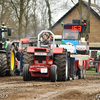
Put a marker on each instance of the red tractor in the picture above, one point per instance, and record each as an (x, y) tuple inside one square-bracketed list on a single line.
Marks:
[(45, 61)]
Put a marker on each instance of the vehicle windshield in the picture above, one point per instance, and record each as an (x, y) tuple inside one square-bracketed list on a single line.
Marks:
[(69, 34), (3, 36)]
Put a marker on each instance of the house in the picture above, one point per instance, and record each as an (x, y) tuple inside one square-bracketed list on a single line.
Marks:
[(73, 14)]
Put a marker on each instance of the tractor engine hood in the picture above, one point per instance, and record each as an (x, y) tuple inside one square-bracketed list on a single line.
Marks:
[(37, 49), (44, 50)]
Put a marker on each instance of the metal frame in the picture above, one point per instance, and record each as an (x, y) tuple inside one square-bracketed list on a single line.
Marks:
[(38, 45)]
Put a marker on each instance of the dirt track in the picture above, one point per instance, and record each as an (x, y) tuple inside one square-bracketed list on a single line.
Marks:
[(17, 89)]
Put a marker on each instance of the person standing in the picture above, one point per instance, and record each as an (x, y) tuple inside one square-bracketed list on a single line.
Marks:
[(16, 47), (18, 56)]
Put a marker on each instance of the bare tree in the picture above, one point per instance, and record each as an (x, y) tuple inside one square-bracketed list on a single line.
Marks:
[(19, 7), (94, 1), (49, 13), (80, 14), (27, 16), (88, 17), (79, 9), (34, 21)]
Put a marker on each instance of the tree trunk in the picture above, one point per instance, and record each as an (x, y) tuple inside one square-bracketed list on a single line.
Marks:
[(80, 10), (35, 19), (20, 18), (94, 1), (26, 25), (49, 13), (88, 17), (2, 10)]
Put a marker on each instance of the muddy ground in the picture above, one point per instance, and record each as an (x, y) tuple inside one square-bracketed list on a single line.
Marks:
[(14, 88)]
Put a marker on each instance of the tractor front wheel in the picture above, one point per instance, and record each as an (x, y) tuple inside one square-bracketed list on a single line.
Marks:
[(26, 74), (53, 73)]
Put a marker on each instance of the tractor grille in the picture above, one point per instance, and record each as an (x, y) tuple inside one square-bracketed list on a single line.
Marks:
[(40, 58), (40, 50)]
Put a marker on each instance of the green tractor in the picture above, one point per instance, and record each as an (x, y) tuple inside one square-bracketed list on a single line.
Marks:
[(7, 52)]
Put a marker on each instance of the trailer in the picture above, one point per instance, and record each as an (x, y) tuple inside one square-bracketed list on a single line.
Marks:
[(77, 47)]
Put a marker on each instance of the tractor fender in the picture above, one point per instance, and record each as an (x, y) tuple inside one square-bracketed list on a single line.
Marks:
[(58, 50), (9, 47)]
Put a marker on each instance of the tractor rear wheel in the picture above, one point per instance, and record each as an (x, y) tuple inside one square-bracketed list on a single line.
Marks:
[(53, 73), (28, 58), (11, 61), (61, 60), (26, 74), (3, 64)]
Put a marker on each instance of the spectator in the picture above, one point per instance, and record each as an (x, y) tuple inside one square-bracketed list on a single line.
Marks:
[(18, 55), (16, 47)]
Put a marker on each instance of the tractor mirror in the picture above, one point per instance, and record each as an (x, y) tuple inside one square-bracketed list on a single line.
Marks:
[(87, 37), (9, 31)]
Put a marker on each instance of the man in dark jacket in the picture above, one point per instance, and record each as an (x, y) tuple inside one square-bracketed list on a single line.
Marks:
[(18, 56), (46, 41), (16, 47)]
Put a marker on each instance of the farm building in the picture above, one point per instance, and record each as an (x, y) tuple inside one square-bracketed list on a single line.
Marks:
[(73, 16)]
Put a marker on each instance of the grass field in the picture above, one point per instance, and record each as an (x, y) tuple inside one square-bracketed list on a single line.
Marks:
[(92, 70)]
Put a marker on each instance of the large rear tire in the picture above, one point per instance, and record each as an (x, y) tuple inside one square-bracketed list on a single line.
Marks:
[(3, 64), (26, 74), (28, 58), (11, 61), (53, 73), (61, 60)]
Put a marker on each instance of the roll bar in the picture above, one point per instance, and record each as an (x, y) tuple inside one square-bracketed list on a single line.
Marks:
[(42, 33)]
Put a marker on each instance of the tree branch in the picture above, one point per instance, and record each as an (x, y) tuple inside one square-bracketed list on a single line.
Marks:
[(15, 8), (75, 5)]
